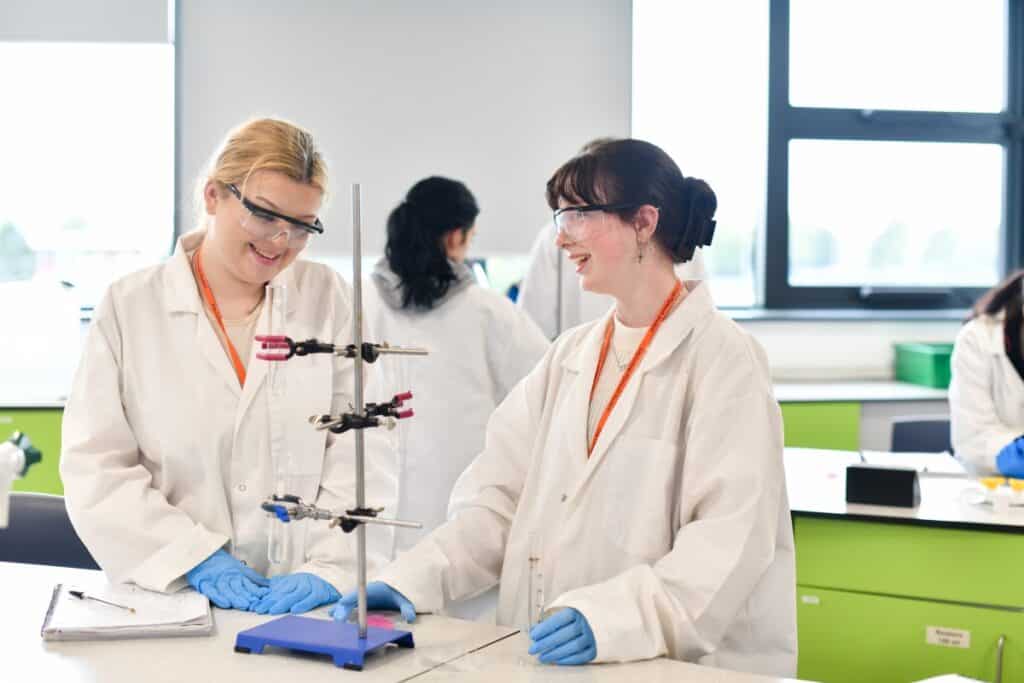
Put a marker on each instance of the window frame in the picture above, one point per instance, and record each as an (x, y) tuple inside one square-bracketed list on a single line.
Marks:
[(786, 123)]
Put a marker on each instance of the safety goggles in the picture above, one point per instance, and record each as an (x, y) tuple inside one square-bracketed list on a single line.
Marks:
[(579, 223), (264, 224)]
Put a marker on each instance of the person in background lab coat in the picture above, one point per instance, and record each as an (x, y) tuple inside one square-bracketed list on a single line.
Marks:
[(635, 477), (550, 291), (424, 294), (166, 451), (986, 392)]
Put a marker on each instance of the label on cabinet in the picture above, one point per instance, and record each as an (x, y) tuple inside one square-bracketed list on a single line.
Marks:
[(947, 637), (810, 599)]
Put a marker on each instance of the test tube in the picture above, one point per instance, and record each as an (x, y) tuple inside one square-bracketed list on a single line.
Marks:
[(535, 583), (277, 303), (277, 531)]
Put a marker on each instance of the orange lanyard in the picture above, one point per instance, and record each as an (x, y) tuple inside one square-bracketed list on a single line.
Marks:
[(204, 288), (638, 356)]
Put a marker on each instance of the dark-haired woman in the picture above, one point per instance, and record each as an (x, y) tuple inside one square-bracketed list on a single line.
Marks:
[(481, 346), (986, 395), (633, 483)]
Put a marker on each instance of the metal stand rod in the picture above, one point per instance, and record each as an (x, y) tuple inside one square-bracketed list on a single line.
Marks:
[(360, 407), (401, 351)]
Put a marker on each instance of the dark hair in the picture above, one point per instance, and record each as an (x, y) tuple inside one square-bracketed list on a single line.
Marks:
[(634, 173), (595, 143), (1006, 296), (416, 228)]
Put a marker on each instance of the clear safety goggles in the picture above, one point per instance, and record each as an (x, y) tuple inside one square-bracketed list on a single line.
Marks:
[(264, 224), (580, 223)]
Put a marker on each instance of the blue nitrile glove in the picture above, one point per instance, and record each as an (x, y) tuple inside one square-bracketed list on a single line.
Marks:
[(379, 596), (563, 638), (1010, 460), (227, 582), (296, 593)]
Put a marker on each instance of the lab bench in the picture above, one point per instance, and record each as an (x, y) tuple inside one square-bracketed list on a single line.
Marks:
[(446, 649), (851, 415), (900, 594)]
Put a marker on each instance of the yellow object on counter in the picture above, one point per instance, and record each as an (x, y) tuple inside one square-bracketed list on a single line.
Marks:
[(992, 483), (1017, 485)]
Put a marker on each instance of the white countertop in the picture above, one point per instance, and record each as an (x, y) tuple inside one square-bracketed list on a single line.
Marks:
[(816, 483), (445, 649), (859, 392), (506, 661), (31, 403), (25, 655)]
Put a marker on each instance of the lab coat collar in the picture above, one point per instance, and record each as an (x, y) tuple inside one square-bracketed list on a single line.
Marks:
[(182, 292), (183, 297), (994, 343), (695, 308)]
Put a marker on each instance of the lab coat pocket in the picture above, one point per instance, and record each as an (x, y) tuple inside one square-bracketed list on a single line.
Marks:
[(640, 496)]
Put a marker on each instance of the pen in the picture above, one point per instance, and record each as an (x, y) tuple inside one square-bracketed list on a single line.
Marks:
[(82, 596)]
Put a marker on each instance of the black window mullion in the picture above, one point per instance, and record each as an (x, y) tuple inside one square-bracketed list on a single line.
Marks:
[(776, 237), (1013, 238), (910, 126)]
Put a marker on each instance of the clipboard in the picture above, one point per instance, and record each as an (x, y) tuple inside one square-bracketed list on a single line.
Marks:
[(157, 615)]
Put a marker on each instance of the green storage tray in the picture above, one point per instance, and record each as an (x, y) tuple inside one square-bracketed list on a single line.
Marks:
[(926, 364)]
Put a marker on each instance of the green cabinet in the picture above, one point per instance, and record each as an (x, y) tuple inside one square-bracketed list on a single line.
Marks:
[(912, 560), (42, 426), (856, 637), (901, 601), (822, 425)]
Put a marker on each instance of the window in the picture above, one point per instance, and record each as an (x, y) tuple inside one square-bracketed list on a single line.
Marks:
[(894, 214), (890, 170), (86, 192), (87, 171), (700, 92)]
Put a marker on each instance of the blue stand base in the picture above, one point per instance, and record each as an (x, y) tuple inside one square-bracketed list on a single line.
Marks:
[(338, 639)]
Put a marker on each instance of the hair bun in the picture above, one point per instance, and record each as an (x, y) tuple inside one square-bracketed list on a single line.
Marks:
[(699, 204)]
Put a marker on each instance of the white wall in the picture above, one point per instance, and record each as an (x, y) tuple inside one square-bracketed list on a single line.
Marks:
[(98, 21), (829, 349), (494, 94)]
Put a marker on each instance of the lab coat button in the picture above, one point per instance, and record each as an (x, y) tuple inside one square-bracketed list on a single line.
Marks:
[(241, 487), (565, 497)]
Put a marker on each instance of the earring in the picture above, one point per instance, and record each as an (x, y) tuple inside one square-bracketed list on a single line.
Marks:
[(639, 250)]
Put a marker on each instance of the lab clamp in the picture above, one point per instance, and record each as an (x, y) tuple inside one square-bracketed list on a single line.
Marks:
[(17, 454), (347, 643)]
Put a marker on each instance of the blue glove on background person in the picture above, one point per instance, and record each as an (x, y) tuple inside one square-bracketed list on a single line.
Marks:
[(379, 596), (563, 638), (1010, 460), (227, 582), (296, 593)]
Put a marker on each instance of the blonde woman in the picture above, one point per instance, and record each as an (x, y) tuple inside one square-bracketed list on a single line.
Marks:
[(166, 454)]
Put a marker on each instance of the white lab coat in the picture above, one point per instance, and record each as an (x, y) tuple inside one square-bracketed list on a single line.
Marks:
[(674, 538), (480, 346), (986, 395), (538, 292), (165, 458)]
